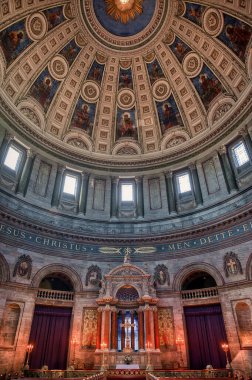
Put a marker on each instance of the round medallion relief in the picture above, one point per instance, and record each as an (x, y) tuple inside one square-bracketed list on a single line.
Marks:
[(161, 89), (213, 21), (192, 64), (36, 26), (90, 91), (126, 99), (58, 67)]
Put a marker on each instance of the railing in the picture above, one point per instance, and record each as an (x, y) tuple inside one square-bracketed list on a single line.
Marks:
[(57, 295), (150, 376), (199, 293), (97, 376)]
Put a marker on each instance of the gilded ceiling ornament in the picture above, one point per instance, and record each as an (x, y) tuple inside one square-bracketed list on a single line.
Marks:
[(124, 10)]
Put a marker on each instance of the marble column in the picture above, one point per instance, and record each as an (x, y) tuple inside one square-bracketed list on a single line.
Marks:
[(107, 324), (57, 187), (123, 331), (152, 328), (148, 340), (170, 192), (196, 185), (83, 193), (26, 173), (114, 327), (132, 331), (114, 197), (5, 143), (227, 170), (156, 329), (139, 197), (140, 329), (99, 326)]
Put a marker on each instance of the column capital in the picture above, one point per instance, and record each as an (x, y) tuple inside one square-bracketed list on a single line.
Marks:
[(222, 149), (115, 180), (30, 153), (192, 166), (169, 174), (139, 179), (243, 131)]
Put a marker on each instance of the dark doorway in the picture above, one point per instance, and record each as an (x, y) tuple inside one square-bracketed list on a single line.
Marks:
[(50, 336), (205, 333)]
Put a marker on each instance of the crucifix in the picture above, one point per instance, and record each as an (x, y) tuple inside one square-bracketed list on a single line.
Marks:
[(126, 326), (232, 265)]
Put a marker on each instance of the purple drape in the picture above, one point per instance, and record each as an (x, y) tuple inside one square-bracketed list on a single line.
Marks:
[(205, 333), (50, 336)]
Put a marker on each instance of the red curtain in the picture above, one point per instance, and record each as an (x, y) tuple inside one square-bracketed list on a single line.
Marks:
[(205, 333), (50, 337)]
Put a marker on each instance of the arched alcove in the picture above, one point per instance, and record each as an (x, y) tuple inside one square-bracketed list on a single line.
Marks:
[(198, 280), (62, 271), (244, 321), (57, 281), (9, 325)]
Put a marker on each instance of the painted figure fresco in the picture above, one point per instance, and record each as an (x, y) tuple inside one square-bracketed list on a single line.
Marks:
[(13, 41), (125, 79), (126, 124), (83, 116), (179, 48), (236, 35), (194, 13), (54, 16), (168, 114), (96, 72), (154, 70), (44, 89), (70, 51), (207, 86)]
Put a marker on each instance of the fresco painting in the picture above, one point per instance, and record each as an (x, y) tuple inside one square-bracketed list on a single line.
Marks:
[(236, 35), (84, 116), (207, 86), (96, 72), (168, 114), (14, 40), (70, 52), (132, 26), (180, 49), (125, 79), (194, 13), (54, 16), (154, 70), (44, 89), (126, 124)]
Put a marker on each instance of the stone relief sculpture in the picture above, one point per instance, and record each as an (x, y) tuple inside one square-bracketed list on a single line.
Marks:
[(23, 267), (93, 276), (232, 265), (161, 275)]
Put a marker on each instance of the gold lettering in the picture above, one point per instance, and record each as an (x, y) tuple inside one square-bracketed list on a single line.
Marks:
[(54, 243), (77, 247), (46, 241), (230, 233), (2, 227), (203, 241), (187, 245), (38, 239), (171, 247), (64, 245), (9, 230), (179, 246), (23, 234), (209, 238), (245, 227)]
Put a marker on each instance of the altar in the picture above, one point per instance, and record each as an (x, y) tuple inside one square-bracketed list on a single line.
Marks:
[(127, 366)]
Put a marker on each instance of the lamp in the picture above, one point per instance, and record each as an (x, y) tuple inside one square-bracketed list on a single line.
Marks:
[(103, 347), (149, 367), (225, 348), (29, 349), (179, 343)]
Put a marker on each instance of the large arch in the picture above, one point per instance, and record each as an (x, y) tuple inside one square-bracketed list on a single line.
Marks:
[(195, 267), (249, 268), (4, 269), (45, 271)]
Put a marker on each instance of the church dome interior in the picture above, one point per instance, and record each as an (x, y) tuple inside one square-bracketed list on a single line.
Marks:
[(126, 183)]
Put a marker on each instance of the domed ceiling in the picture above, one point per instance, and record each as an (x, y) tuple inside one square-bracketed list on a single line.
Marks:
[(125, 81)]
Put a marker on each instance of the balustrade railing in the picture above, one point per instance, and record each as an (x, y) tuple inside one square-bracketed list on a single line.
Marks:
[(199, 293), (57, 295), (97, 376)]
